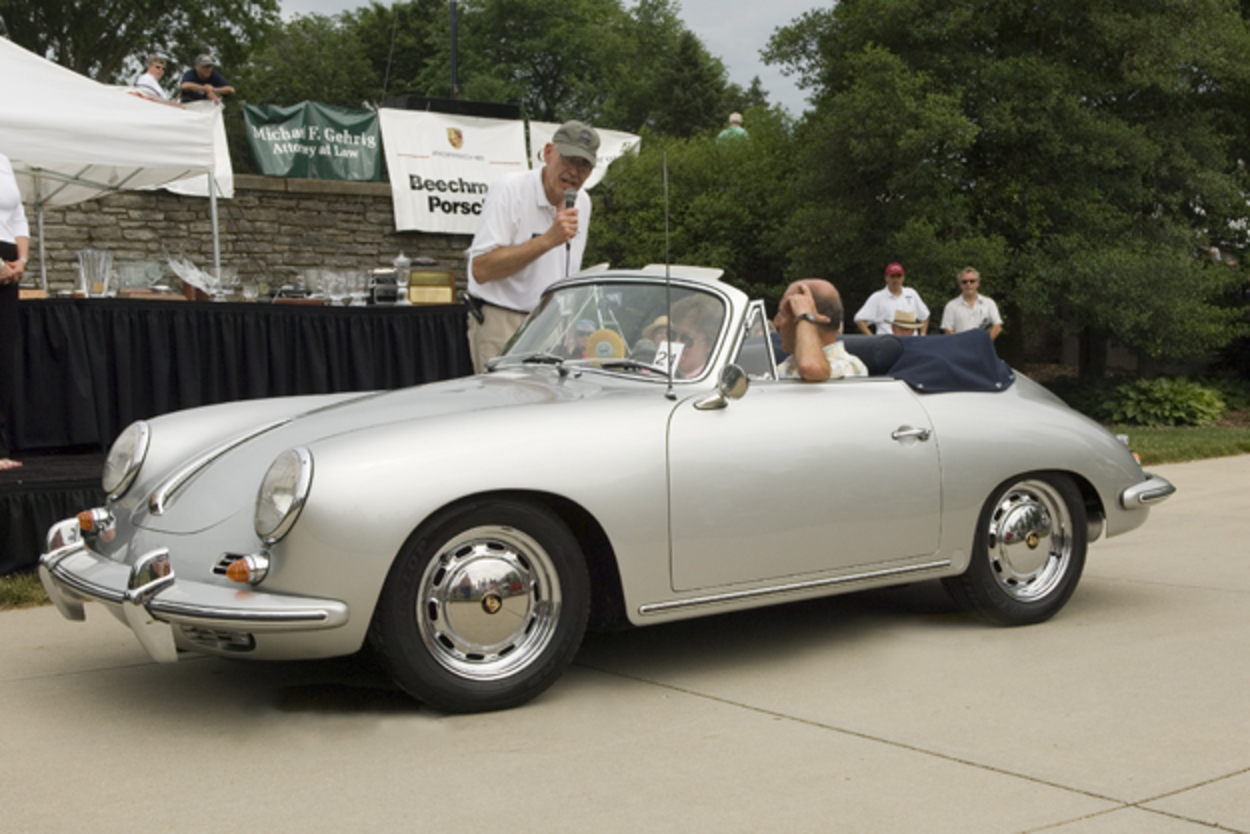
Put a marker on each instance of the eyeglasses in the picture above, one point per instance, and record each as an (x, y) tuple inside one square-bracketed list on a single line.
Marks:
[(581, 166), (969, 281)]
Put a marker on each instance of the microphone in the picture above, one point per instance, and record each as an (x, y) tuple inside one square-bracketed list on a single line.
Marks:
[(570, 200)]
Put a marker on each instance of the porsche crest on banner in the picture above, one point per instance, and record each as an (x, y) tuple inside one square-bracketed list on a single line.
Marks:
[(441, 166)]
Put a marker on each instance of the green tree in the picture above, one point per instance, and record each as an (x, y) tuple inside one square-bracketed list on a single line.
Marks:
[(280, 72), (588, 59), (1079, 152), (553, 59), (397, 40), (108, 39), (726, 204), (691, 94)]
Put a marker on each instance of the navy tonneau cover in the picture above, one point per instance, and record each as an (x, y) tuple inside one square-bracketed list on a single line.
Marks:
[(960, 362)]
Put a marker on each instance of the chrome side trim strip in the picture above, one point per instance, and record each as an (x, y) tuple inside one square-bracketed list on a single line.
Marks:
[(788, 588)]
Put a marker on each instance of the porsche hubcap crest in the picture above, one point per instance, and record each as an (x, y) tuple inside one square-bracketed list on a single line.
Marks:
[(488, 604)]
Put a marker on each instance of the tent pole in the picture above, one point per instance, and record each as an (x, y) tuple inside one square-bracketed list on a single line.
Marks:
[(43, 253), (212, 199)]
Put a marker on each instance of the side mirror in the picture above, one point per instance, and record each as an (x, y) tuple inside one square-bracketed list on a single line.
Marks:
[(733, 383)]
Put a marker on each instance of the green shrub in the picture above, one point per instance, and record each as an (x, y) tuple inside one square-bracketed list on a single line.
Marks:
[(1087, 396), (1164, 402), (1235, 391)]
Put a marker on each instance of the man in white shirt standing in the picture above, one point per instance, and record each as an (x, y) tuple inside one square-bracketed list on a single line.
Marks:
[(527, 238), (971, 310), (880, 308)]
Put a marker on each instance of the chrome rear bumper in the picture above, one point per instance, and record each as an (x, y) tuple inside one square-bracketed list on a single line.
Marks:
[(152, 601)]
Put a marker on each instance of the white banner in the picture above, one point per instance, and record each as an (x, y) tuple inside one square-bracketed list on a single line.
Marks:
[(441, 165), (613, 144)]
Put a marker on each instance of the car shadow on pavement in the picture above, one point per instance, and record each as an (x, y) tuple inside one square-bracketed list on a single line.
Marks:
[(768, 634)]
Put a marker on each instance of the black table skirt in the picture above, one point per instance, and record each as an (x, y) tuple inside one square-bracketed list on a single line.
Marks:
[(89, 367)]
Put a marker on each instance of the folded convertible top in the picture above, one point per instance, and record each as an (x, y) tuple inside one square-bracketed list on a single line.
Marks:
[(960, 362)]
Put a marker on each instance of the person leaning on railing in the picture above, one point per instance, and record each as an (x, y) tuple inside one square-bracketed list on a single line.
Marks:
[(204, 82)]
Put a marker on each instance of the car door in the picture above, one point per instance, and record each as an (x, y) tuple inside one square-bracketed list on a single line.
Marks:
[(800, 478)]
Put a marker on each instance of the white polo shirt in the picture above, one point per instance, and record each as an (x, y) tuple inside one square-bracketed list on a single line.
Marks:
[(958, 316), (12, 216), (879, 309), (516, 210)]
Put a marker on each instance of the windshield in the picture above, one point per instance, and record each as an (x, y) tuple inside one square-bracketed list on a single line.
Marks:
[(623, 326)]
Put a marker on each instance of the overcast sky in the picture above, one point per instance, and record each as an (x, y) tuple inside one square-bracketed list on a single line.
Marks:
[(733, 30)]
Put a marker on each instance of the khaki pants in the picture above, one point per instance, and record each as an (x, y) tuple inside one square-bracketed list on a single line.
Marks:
[(486, 339)]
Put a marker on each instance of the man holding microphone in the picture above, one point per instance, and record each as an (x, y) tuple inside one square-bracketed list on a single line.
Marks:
[(532, 233)]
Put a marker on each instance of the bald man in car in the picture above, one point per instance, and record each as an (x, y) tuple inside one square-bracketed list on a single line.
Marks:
[(809, 319)]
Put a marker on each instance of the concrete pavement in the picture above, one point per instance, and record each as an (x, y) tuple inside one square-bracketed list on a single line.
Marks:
[(876, 712)]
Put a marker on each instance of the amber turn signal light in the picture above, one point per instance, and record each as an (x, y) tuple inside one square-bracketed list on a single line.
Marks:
[(248, 570)]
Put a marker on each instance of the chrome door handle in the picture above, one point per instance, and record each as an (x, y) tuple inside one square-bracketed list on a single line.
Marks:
[(901, 433)]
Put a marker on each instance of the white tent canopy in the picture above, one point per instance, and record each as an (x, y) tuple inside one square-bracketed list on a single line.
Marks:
[(71, 139)]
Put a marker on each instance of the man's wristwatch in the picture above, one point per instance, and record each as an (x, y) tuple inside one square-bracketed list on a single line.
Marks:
[(806, 317)]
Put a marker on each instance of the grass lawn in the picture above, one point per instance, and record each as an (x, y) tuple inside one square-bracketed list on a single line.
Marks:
[(1154, 445), (21, 590), (1177, 444)]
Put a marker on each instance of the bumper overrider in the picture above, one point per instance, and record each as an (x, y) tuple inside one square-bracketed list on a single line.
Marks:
[(1150, 491), (153, 602)]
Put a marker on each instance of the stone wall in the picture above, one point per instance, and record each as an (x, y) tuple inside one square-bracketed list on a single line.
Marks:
[(271, 230)]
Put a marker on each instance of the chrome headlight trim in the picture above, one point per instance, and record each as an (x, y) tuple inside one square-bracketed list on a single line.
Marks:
[(125, 459), (282, 494)]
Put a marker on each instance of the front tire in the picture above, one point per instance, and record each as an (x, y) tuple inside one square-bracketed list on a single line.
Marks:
[(1028, 551), (484, 608)]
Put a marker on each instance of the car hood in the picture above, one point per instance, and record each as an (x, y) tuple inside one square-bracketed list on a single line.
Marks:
[(227, 484)]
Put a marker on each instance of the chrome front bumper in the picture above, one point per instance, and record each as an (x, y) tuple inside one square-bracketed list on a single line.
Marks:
[(149, 598), (1150, 491)]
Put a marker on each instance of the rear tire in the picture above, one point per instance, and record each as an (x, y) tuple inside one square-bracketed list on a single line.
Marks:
[(1028, 551), (484, 608)]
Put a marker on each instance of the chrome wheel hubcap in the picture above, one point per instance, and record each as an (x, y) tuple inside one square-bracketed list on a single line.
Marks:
[(1030, 540), (489, 603)]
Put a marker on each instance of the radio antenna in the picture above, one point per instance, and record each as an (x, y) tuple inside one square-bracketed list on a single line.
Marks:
[(668, 288)]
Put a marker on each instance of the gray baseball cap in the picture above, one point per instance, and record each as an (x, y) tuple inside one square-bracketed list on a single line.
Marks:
[(576, 139), (205, 60)]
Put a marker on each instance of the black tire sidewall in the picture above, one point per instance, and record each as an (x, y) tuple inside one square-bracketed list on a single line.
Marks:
[(397, 640), (978, 591)]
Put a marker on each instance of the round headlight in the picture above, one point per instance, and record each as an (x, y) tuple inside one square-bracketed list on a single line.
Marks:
[(125, 458), (282, 494)]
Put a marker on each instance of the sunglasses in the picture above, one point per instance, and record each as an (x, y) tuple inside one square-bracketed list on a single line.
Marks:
[(969, 281), (688, 339)]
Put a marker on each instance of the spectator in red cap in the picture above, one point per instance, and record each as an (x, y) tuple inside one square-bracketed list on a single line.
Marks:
[(881, 309)]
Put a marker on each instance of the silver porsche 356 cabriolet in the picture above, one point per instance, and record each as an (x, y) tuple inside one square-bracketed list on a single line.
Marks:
[(631, 458)]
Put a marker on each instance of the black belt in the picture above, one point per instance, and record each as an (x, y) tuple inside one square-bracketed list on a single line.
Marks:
[(476, 304)]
